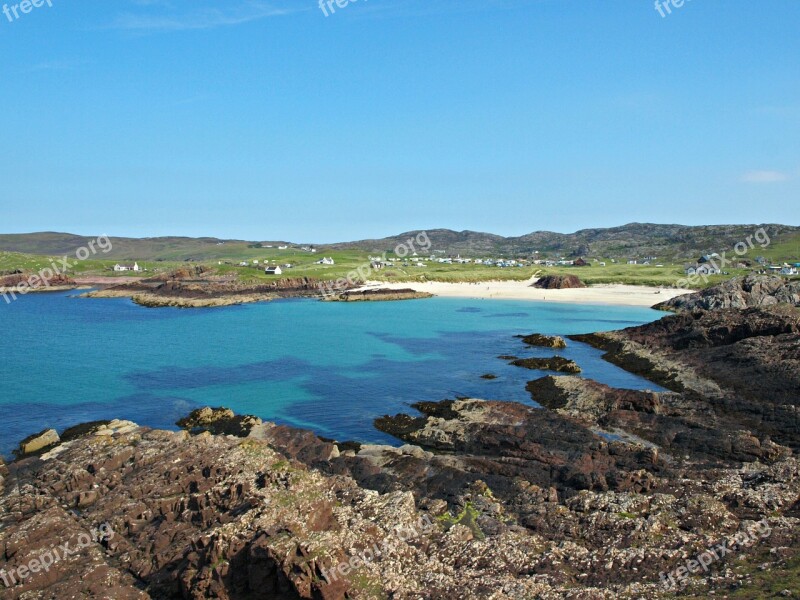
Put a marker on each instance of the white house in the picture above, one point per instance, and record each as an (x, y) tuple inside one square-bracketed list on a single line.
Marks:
[(326, 261), (135, 267), (273, 271), (704, 269), (708, 269), (787, 270)]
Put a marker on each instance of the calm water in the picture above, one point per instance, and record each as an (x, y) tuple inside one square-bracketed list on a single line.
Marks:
[(329, 367)]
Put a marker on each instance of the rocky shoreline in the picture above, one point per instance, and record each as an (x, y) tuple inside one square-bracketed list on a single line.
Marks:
[(377, 295), (195, 288), (602, 493)]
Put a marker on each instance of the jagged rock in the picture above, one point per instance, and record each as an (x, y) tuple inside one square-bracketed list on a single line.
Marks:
[(742, 365), (219, 421), (198, 290), (559, 282), (739, 292), (669, 420), (37, 442), (559, 364), (546, 341), (379, 295)]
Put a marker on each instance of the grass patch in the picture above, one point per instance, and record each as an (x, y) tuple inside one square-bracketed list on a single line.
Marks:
[(467, 517)]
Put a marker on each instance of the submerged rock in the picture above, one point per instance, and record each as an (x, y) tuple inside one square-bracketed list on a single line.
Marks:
[(545, 341), (380, 295), (558, 364)]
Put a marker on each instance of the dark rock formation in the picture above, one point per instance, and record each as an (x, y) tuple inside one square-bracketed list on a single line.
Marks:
[(193, 288), (23, 277), (559, 364), (559, 282), (679, 426), (219, 421), (739, 292), (506, 498), (379, 295), (544, 341), (741, 365)]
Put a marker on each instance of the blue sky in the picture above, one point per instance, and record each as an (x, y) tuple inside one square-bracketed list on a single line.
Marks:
[(269, 120)]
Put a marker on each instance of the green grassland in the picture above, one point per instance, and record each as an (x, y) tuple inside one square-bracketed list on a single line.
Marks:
[(226, 260)]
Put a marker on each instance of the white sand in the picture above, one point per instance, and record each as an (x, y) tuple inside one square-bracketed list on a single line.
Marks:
[(623, 295)]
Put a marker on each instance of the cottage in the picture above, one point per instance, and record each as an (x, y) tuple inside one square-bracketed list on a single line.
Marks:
[(703, 270), (273, 271), (326, 261), (135, 267)]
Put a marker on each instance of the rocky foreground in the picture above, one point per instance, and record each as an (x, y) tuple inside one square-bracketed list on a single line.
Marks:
[(603, 493)]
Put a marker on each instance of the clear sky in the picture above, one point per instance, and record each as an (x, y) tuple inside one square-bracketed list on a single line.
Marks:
[(269, 120)]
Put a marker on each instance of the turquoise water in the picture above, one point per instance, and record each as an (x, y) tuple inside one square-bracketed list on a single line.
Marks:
[(329, 367)]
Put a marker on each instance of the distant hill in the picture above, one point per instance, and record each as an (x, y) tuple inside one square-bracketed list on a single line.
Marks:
[(632, 241), (160, 248)]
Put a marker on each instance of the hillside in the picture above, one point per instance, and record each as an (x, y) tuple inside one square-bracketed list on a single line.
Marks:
[(635, 240)]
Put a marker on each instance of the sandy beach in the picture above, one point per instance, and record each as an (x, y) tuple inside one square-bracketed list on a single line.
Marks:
[(623, 295)]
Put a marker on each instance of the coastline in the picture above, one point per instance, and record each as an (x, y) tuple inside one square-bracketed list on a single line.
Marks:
[(609, 294)]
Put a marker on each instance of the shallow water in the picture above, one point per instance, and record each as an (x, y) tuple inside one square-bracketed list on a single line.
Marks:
[(329, 367)]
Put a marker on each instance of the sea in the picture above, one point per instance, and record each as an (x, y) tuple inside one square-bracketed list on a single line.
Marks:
[(329, 367)]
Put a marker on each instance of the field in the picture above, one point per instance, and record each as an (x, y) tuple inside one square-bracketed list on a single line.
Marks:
[(347, 261)]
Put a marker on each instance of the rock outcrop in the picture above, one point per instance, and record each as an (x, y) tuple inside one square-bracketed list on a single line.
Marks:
[(26, 278), (559, 282), (377, 295), (739, 365), (497, 500), (194, 288), (37, 442), (559, 364), (219, 421), (544, 341), (739, 292)]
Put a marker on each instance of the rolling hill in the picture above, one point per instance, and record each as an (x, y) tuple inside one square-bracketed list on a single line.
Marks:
[(635, 240)]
